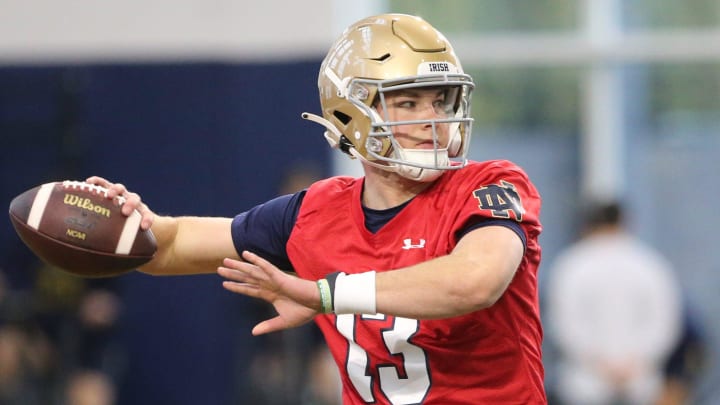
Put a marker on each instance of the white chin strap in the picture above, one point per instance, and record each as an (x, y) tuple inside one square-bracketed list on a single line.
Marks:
[(455, 142), (422, 157)]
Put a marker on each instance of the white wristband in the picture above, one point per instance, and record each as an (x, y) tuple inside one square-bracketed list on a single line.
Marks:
[(355, 293)]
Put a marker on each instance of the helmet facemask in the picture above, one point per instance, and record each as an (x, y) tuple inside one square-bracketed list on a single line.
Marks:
[(451, 116)]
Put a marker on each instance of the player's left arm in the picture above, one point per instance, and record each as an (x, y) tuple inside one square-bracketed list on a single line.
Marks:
[(472, 277), (481, 266)]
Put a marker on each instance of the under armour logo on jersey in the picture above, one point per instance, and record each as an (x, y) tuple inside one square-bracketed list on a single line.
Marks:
[(408, 244)]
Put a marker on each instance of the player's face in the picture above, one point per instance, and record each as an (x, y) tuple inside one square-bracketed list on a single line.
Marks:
[(418, 104)]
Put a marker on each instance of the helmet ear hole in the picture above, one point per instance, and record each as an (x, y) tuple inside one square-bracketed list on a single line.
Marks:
[(342, 117)]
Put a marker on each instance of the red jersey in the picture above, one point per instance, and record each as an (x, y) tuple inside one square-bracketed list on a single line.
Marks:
[(491, 356)]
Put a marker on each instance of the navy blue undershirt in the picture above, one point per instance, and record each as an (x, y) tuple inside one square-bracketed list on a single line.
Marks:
[(265, 228)]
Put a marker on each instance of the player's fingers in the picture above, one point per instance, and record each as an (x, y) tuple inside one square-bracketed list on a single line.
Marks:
[(148, 217), (246, 289), (247, 275), (119, 193), (268, 268), (98, 181), (271, 325), (250, 270), (242, 288), (250, 290), (113, 189), (131, 203), (134, 201), (234, 275), (116, 189)]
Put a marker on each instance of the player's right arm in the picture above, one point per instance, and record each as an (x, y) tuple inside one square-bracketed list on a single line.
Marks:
[(190, 245), (186, 245)]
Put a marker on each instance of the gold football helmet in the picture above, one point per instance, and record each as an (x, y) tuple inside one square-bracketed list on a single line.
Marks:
[(387, 53)]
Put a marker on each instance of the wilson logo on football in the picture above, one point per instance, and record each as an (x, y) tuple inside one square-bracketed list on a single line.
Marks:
[(86, 204)]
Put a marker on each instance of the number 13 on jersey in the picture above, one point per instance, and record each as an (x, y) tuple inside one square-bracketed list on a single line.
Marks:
[(407, 383)]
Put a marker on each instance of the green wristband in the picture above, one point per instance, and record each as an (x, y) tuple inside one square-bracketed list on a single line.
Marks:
[(325, 296)]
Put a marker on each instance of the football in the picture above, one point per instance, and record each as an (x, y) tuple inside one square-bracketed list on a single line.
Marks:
[(74, 226)]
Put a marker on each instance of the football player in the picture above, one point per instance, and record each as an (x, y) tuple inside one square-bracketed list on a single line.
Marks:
[(422, 275)]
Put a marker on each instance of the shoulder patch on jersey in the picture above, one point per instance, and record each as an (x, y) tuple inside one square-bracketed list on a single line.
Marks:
[(500, 199)]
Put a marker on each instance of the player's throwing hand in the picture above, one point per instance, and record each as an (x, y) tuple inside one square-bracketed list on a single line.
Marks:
[(296, 300)]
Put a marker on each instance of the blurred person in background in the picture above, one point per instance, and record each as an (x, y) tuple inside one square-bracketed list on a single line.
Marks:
[(92, 340), (29, 357), (323, 385), (614, 311), (16, 383), (89, 387)]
